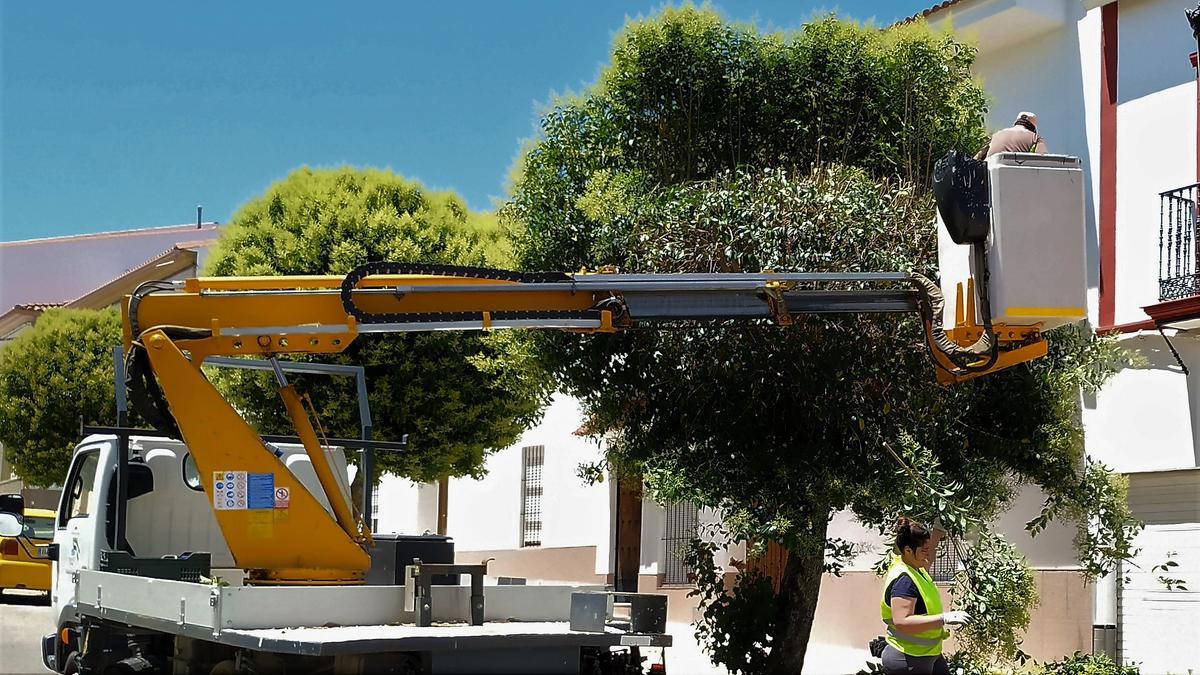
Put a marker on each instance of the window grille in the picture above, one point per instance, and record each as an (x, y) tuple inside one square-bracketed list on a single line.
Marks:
[(682, 525), (947, 562), (533, 457), (1178, 248), (375, 508)]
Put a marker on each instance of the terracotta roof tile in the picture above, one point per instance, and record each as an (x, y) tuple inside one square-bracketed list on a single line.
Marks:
[(38, 306), (59, 269), (932, 10)]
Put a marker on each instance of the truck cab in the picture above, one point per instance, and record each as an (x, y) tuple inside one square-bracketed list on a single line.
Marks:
[(168, 515)]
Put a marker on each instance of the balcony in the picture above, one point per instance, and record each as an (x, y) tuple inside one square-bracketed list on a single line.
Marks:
[(1178, 255), (1178, 260)]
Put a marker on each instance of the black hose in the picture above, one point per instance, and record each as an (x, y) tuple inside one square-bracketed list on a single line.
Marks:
[(145, 396), (931, 307)]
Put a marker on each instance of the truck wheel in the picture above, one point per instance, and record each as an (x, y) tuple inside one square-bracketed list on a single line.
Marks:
[(71, 664)]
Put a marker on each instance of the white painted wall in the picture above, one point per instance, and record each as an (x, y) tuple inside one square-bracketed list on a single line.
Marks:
[(485, 514), (399, 504), (654, 521), (1146, 419), (1156, 152), (1052, 549)]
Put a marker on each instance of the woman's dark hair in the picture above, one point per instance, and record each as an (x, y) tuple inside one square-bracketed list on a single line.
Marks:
[(909, 534)]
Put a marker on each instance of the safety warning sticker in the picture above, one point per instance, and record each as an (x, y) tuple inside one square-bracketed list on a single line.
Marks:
[(261, 490), (283, 497), (229, 490)]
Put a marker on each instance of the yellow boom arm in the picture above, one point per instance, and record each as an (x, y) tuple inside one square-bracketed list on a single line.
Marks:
[(275, 528)]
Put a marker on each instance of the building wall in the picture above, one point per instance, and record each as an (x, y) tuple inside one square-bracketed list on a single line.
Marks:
[(1146, 418), (848, 613), (484, 515), (1156, 139)]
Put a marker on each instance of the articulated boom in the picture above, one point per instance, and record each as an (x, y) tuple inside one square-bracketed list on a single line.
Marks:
[(169, 329)]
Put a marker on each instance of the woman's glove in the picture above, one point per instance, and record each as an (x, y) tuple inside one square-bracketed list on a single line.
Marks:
[(955, 618)]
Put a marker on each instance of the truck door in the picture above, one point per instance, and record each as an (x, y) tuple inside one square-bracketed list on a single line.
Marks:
[(79, 526)]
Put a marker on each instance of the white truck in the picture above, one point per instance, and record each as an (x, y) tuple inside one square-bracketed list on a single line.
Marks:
[(114, 619)]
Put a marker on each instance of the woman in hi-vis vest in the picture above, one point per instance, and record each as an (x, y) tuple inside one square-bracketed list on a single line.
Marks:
[(912, 608)]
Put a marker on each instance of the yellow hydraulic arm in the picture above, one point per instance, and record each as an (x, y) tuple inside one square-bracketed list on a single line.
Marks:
[(275, 528)]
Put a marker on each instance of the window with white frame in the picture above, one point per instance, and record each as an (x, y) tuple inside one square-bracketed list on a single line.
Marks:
[(947, 562), (375, 508), (533, 457), (681, 527)]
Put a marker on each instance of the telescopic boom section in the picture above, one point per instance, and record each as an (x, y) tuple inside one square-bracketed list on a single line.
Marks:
[(292, 538)]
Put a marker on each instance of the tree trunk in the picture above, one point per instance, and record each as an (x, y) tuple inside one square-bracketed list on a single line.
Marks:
[(356, 493), (798, 591), (443, 505)]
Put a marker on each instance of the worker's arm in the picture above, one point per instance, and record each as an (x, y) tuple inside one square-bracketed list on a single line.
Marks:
[(1040, 147), (906, 621), (982, 154)]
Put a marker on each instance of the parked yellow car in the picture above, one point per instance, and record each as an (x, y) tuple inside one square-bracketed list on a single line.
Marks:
[(18, 567)]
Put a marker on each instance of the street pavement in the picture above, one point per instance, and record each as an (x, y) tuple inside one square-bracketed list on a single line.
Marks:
[(24, 619)]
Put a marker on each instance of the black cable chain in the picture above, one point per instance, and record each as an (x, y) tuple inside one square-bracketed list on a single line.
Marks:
[(355, 277)]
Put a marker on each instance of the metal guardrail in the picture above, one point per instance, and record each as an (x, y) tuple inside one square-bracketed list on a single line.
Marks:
[(1178, 252)]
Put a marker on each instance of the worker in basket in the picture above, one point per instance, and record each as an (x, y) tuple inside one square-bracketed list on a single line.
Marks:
[(1022, 136), (911, 606)]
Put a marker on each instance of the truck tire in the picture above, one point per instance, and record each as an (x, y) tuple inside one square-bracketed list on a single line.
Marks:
[(70, 664)]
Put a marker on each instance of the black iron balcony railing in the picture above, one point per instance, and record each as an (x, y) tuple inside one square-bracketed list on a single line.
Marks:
[(1178, 253)]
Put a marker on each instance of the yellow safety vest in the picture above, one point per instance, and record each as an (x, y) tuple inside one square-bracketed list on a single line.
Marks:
[(927, 642)]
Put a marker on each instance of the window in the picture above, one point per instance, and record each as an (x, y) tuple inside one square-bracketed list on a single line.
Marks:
[(375, 508), (82, 496), (191, 475), (37, 527), (533, 457), (947, 562), (682, 525)]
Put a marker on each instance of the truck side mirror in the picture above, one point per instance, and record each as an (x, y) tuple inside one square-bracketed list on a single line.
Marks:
[(11, 525), (12, 503), (46, 552)]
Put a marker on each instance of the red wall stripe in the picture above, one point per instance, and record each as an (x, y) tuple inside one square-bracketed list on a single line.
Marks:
[(1193, 58), (1108, 163)]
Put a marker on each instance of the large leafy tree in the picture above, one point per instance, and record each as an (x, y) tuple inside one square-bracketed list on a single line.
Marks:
[(51, 376), (457, 395), (711, 147)]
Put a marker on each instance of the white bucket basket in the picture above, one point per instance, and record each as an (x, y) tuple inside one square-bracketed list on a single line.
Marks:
[(1036, 249)]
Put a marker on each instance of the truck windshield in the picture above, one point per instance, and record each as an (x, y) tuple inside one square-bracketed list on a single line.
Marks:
[(37, 527)]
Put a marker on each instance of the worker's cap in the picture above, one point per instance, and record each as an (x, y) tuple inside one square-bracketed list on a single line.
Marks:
[(1028, 116)]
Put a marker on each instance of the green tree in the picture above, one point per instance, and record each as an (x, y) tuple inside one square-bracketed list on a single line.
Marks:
[(710, 147), (457, 395), (51, 375)]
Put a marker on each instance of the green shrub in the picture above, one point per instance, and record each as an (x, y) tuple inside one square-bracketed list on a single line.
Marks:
[(1087, 664)]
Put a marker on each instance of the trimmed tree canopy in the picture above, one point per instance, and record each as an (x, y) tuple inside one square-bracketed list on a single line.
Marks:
[(51, 375), (458, 395)]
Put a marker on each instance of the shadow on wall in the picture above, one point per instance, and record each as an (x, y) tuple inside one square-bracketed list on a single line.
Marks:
[(1142, 71), (1046, 75), (1158, 356)]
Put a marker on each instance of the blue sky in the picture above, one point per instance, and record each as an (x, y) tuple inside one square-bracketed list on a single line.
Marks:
[(122, 115)]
